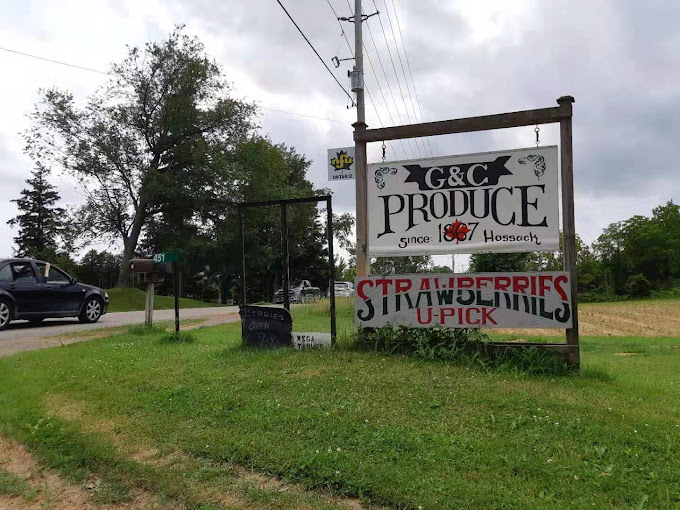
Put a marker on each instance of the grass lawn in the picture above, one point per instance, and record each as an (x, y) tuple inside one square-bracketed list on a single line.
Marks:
[(131, 300), (192, 422)]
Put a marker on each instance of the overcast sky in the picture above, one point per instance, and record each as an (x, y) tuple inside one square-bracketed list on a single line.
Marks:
[(620, 59)]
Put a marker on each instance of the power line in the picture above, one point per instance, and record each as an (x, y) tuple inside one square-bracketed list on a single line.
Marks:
[(396, 75), (408, 65), (370, 63), (108, 74), (387, 107), (303, 115), (351, 52), (401, 63), (389, 87), (54, 61), (316, 52)]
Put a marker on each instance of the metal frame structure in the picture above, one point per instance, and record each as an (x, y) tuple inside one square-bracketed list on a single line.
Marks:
[(284, 244), (562, 113)]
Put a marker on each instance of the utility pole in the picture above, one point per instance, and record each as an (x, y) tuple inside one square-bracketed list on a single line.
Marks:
[(361, 181)]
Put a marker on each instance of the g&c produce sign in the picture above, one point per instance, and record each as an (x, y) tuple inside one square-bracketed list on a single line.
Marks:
[(496, 201), (489, 300)]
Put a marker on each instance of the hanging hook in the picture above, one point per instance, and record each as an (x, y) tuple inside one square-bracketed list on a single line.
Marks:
[(537, 131), (383, 149)]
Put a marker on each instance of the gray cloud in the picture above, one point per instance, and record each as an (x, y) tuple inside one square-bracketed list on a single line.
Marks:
[(618, 58)]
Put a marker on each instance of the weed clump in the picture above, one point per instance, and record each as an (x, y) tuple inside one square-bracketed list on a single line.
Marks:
[(464, 346), (144, 330), (182, 337)]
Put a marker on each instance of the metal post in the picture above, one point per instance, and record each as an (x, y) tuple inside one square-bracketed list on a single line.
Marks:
[(148, 308), (175, 269), (284, 244), (242, 240), (331, 268), (568, 226), (361, 183), (241, 235)]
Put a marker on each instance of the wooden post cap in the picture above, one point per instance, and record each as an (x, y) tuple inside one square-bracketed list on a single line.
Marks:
[(566, 100)]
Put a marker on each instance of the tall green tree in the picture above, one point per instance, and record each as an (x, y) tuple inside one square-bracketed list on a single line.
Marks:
[(402, 265), (641, 245), (39, 220), (98, 268), (159, 133), (493, 262)]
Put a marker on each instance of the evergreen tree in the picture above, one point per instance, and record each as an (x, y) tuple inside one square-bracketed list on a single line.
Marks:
[(39, 221)]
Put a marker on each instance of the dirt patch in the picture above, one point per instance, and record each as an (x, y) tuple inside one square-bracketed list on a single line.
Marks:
[(233, 496), (214, 320), (52, 491), (646, 319), (626, 353)]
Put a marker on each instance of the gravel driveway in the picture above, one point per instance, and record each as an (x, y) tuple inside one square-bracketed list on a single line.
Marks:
[(24, 336)]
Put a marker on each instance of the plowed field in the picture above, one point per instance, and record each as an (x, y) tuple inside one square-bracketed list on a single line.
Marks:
[(650, 318)]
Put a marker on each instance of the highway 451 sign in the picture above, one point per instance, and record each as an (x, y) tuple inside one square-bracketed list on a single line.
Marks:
[(491, 202), (166, 256)]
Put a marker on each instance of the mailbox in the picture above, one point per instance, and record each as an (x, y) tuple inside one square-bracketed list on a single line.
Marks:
[(149, 266)]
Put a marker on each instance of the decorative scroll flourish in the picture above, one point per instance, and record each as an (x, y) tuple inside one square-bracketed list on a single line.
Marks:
[(380, 174), (538, 161)]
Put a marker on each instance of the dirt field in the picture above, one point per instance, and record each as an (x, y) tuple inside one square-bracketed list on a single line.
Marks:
[(658, 318)]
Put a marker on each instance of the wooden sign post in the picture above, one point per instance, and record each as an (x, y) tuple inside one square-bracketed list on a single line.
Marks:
[(561, 113)]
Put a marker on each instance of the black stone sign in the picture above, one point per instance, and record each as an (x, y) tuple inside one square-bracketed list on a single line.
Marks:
[(267, 327)]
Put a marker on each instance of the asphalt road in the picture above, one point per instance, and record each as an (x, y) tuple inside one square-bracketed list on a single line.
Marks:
[(24, 336)]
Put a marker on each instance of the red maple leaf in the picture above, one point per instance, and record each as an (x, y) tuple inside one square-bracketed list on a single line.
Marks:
[(457, 230)]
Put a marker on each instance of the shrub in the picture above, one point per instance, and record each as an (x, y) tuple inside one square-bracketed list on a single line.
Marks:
[(464, 346), (429, 343), (638, 285)]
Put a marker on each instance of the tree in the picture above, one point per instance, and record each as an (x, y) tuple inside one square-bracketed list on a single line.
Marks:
[(401, 265), (493, 262), (39, 221), (99, 268), (159, 134)]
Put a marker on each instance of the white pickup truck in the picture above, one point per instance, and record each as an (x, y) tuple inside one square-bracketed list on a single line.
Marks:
[(299, 291)]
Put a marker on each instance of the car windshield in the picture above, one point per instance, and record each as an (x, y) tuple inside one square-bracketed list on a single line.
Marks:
[(341, 284)]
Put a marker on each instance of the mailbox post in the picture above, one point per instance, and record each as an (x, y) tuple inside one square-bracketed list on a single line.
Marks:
[(155, 270)]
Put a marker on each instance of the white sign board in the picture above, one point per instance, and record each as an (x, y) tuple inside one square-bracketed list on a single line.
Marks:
[(312, 340), (487, 300), (491, 202), (341, 164)]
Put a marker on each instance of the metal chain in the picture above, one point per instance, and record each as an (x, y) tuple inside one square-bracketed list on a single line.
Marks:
[(537, 130), (383, 149)]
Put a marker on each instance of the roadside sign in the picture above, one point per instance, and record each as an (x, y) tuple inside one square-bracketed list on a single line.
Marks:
[(266, 326), (312, 340), (341, 164), (503, 201), (470, 300)]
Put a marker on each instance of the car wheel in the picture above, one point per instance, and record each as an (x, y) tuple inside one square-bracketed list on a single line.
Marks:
[(92, 310), (5, 313)]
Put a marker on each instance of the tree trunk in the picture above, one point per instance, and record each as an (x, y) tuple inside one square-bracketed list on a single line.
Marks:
[(131, 245)]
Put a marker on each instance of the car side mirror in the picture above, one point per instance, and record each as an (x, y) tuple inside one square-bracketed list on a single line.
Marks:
[(72, 281)]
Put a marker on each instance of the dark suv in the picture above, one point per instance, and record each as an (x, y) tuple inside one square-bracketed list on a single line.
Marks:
[(35, 290)]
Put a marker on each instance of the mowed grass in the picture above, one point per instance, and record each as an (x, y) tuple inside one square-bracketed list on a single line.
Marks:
[(394, 431), (131, 300)]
